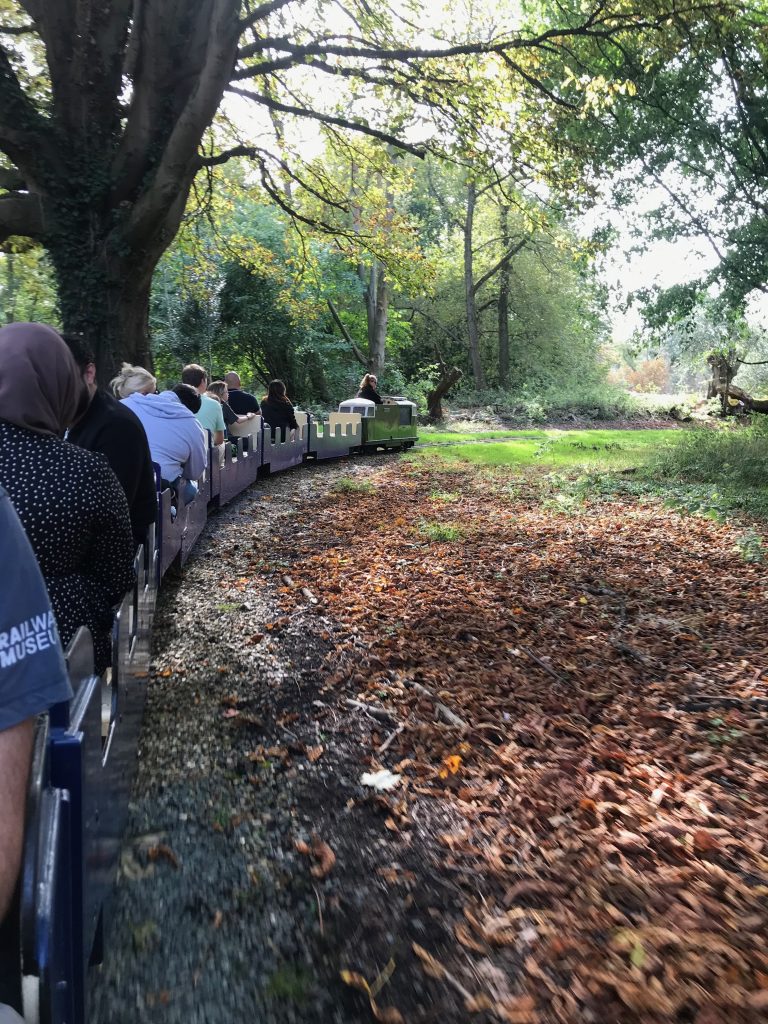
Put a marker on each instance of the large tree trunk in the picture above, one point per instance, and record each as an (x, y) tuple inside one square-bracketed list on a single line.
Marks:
[(473, 328), (503, 303), (724, 368), (750, 404), (448, 377), (104, 167), (377, 327)]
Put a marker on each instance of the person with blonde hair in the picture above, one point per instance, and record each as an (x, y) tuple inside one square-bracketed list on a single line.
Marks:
[(368, 389), (133, 380)]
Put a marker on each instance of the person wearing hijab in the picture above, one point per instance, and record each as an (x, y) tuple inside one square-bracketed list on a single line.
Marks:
[(277, 409), (368, 389), (69, 501)]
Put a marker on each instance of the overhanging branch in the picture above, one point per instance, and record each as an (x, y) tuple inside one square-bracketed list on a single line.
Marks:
[(20, 214), (499, 264), (11, 179), (262, 11), (339, 122)]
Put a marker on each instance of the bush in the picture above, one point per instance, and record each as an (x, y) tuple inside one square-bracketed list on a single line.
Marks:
[(599, 401), (729, 455)]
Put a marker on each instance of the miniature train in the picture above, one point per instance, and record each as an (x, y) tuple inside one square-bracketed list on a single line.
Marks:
[(85, 751)]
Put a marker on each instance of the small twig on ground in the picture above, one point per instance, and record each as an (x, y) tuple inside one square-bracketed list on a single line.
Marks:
[(705, 701), (379, 713), (386, 744), (319, 911), (632, 652), (441, 709), (547, 668)]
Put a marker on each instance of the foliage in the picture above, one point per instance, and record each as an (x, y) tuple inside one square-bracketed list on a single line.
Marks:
[(537, 405), (731, 456), (649, 375), (547, 449), (692, 133), (438, 532), (27, 288), (348, 485)]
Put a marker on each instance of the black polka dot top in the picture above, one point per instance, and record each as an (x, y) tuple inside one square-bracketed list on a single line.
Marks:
[(76, 517)]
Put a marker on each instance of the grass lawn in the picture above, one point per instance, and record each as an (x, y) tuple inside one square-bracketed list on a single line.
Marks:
[(590, 449)]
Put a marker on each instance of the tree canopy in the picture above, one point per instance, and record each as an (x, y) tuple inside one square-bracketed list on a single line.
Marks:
[(106, 111)]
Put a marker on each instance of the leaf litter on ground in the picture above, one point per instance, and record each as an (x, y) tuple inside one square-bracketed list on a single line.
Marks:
[(610, 847)]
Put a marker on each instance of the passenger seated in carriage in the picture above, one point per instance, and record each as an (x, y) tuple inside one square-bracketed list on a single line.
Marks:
[(111, 429), (218, 389), (277, 409), (133, 380), (33, 677), (69, 501), (368, 389), (176, 440)]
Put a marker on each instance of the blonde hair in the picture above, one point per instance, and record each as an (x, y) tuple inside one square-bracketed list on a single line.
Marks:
[(132, 379), (367, 380), (216, 389)]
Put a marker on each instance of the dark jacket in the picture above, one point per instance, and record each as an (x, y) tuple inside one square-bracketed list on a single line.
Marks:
[(230, 416), (111, 429), (370, 393), (242, 402), (279, 414), (75, 514)]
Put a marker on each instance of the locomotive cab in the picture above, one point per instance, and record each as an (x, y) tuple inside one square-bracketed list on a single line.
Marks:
[(389, 425)]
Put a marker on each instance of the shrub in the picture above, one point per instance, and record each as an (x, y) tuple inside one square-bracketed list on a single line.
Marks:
[(439, 531), (346, 485), (729, 455)]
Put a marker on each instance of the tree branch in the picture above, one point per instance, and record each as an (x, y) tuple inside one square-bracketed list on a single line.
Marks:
[(16, 30), (500, 264), (179, 160), (20, 214), (262, 11), (23, 130), (347, 336), (339, 122), (11, 179)]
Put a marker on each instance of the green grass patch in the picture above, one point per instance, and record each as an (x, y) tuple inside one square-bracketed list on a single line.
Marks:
[(447, 496), (346, 485), (291, 984), (615, 449), (439, 531), (429, 436)]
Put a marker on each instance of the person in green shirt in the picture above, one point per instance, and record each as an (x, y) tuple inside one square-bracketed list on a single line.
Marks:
[(210, 417)]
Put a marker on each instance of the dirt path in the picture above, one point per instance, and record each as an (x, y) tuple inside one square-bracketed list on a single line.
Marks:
[(568, 840)]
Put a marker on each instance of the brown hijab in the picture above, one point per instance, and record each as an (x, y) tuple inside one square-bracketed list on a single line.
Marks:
[(41, 387)]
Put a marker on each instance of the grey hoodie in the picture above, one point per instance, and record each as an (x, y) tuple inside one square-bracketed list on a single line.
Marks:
[(176, 440)]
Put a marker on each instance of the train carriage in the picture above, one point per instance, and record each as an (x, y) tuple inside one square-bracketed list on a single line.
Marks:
[(85, 750)]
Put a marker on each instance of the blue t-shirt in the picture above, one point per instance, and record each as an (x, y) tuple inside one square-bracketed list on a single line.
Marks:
[(33, 675)]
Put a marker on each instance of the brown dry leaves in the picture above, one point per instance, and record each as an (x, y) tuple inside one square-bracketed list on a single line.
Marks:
[(320, 853), (620, 840)]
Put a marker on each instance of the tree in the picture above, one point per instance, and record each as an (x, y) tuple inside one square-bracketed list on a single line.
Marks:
[(104, 110), (689, 118)]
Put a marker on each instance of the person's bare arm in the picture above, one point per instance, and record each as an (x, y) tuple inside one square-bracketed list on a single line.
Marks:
[(218, 437), (15, 755)]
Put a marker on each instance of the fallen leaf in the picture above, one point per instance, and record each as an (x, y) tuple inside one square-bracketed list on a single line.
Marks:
[(163, 852)]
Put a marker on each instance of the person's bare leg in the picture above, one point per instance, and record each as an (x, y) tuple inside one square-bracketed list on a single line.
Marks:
[(15, 755)]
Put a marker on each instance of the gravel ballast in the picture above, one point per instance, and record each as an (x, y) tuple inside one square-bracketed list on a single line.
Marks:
[(216, 916)]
